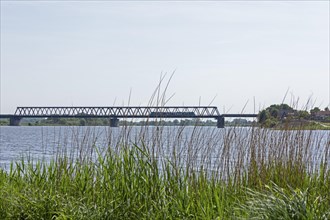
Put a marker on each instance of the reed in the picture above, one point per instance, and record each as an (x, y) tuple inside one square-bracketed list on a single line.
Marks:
[(175, 173)]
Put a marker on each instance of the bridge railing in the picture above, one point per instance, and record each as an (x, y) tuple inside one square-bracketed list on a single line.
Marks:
[(121, 112)]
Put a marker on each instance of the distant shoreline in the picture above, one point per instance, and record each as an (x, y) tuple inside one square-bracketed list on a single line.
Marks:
[(310, 125)]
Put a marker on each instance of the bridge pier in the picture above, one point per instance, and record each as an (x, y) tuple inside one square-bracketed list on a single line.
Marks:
[(221, 122), (14, 121), (114, 122)]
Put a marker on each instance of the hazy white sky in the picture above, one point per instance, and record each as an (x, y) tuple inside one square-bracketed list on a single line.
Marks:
[(88, 53)]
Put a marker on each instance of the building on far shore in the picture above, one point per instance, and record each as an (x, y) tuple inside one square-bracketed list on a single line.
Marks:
[(321, 115), (284, 113)]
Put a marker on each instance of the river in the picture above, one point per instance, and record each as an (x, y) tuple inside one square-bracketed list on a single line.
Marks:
[(197, 145)]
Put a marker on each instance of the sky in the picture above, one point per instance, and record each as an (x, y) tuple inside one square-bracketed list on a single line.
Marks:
[(240, 56)]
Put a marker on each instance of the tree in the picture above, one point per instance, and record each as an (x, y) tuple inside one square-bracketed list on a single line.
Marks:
[(270, 122), (176, 122), (82, 122), (272, 115), (285, 107), (303, 114), (274, 112), (263, 116), (280, 107), (316, 109)]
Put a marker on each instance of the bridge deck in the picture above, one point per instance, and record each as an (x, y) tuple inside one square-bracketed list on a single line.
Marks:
[(122, 112), (6, 116), (239, 115)]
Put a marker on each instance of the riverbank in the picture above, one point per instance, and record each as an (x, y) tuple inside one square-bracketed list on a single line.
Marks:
[(199, 173), (303, 125), (133, 187)]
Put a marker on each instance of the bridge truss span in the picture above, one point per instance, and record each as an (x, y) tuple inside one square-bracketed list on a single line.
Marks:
[(121, 112)]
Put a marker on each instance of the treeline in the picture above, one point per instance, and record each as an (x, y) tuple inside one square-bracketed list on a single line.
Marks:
[(106, 122), (277, 114)]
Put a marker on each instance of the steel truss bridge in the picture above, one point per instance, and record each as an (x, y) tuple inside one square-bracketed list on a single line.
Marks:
[(116, 113)]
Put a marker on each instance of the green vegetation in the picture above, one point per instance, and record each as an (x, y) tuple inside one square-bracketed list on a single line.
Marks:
[(273, 176), (270, 117), (106, 122), (73, 122), (4, 122), (282, 115)]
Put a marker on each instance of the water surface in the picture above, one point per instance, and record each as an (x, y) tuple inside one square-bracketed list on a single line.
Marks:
[(210, 146)]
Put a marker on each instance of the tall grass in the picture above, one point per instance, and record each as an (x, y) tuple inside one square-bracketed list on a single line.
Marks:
[(175, 173)]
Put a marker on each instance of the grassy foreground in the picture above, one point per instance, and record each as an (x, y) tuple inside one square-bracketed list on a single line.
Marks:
[(273, 177)]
